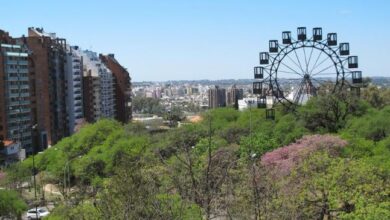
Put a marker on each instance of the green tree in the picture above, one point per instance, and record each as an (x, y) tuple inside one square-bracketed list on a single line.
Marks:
[(329, 113), (11, 205), (147, 105), (327, 187)]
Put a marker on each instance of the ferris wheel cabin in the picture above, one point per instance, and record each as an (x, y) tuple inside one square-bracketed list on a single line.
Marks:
[(353, 62), (332, 39), (270, 113), (264, 58), (286, 37), (259, 72), (258, 88), (273, 46), (301, 31), (344, 49), (317, 34), (357, 77)]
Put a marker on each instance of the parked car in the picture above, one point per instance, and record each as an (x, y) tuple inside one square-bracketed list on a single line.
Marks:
[(39, 212)]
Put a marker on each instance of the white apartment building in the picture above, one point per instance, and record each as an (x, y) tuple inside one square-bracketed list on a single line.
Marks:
[(103, 85), (74, 91)]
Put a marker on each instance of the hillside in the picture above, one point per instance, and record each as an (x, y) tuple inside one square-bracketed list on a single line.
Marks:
[(330, 159)]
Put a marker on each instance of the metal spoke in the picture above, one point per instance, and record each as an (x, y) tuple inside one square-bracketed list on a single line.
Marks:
[(296, 55), (308, 63), (290, 69), (318, 58), (288, 56), (323, 70), (298, 93), (323, 61), (304, 52)]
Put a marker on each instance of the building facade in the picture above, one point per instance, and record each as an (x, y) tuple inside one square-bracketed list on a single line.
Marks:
[(47, 72), (74, 90), (233, 94), (15, 104), (217, 97), (122, 88), (98, 88), (48, 88)]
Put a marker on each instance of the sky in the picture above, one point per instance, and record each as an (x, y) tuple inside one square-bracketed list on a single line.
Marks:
[(202, 39)]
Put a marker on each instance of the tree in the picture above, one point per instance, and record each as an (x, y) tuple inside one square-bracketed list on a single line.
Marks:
[(373, 126), (11, 205), (147, 105), (328, 187), (133, 193), (377, 97), (328, 113)]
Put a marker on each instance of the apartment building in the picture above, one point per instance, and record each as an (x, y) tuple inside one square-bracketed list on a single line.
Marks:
[(122, 88), (98, 88), (47, 73), (74, 90), (233, 94), (15, 105), (217, 97)]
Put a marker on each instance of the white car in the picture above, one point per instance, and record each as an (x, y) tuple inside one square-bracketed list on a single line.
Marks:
[(37, 213)]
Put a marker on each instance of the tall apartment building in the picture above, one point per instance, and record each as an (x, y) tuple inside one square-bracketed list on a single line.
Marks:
[(98, 88), (233, 94), (47, 72), (15, 105), (74, 90), (52, 87), (122, 88), (217, 97)]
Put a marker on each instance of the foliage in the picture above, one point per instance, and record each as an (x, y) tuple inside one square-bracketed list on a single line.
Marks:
[(84, 211), (231, 164), (256, 145), (284, 159), (147, 105), (11, 205), (329, 113), (327, 187), (377, 97), (373, 126)]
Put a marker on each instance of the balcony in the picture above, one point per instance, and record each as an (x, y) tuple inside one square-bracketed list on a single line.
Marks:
[(17, 78), (16, 62), (17, 103)]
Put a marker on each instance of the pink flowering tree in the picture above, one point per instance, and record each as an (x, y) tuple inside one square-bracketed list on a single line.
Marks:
[(282, 160)]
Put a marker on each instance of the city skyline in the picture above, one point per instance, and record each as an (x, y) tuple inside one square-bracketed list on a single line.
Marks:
[(183, 40)]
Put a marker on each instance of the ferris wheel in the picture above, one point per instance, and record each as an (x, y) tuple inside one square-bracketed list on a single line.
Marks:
[(296, 69)]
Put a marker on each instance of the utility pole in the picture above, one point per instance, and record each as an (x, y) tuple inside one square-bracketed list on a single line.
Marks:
[(34, 128)]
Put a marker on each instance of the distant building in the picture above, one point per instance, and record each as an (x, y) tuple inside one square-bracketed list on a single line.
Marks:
[(233, 94), (217, 97), (74, 91), (98, 88), (122, 88), (15, 104)]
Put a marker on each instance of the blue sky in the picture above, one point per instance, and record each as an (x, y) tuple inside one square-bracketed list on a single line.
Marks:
[(202, 39)]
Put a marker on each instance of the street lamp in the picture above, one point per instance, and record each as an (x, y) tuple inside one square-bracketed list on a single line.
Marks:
[(34, 128), (67, 174)]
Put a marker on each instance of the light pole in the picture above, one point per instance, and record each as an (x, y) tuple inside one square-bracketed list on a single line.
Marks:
[(67, 175), (34, 128)]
